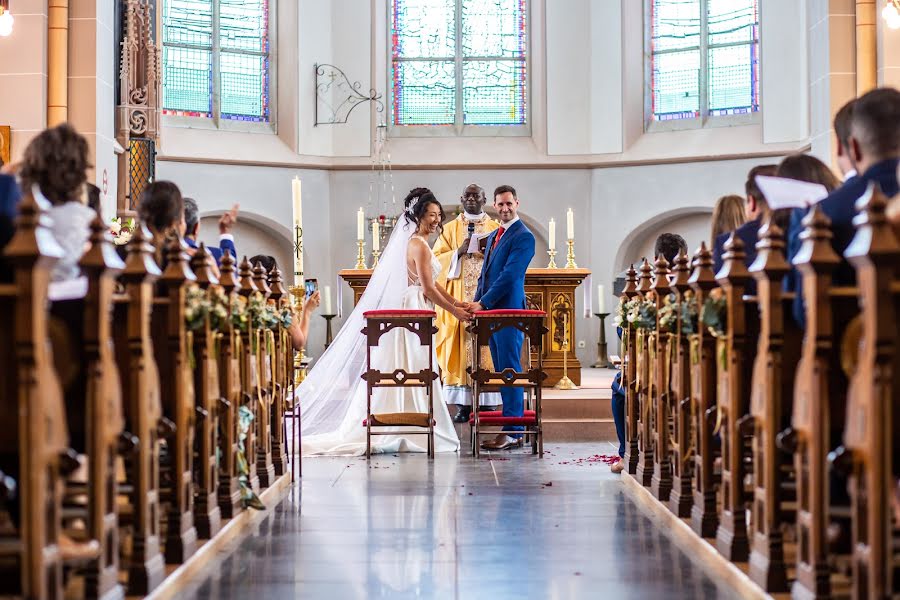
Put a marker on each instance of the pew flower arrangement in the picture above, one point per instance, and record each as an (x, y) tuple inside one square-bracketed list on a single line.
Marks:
[(689, 316), (121, 232), (239, 316), (642, 313), (714, 315), (196, 307), (218, 309), (668, 313), (621, 312)]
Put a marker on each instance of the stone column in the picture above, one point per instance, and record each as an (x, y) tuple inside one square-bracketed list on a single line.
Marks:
[(866, 53), (57, 62)]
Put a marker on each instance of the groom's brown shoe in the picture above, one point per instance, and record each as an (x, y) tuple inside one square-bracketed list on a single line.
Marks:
[(503, 442)]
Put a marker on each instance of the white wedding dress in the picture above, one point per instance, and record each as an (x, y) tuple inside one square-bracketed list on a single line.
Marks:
[(333, 396)]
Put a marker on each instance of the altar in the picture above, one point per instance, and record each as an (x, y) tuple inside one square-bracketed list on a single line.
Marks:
[(550, 290)]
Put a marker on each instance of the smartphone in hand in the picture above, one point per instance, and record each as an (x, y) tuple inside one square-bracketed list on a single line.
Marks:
[(312, 286)]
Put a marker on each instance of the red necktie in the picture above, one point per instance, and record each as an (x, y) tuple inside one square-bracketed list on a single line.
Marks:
[(497, 238)]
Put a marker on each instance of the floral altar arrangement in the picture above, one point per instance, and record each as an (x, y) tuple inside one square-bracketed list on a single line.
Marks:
[(121, 232)]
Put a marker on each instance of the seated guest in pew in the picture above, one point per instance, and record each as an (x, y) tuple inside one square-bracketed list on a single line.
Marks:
[(93, 199), (161, 209), (842, 133), (56, 161), (668, 245), (874, 152), (192, 228), (299, 329), (728, 215), (757, 212), (9, 201)]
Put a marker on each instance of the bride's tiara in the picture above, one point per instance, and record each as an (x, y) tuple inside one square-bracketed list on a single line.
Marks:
[(412, 205)]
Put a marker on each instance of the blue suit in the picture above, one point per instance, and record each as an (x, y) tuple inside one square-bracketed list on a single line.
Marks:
[(225, 245), (9, 201), (840, 207), (502, 285), (747, 233)]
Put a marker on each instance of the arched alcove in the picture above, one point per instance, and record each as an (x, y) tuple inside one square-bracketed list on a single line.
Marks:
[(254, 234), (691, 223)]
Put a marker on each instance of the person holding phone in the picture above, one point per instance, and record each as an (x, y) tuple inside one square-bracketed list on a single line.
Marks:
[(226, 223), (299, 329)]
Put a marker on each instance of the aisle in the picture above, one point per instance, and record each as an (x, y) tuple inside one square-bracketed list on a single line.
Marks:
[(511, 527)]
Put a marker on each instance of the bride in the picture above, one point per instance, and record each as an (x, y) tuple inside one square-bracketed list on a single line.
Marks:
[(333, 395)]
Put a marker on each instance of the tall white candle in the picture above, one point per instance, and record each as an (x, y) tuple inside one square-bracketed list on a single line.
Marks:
[(601, 299), (327, 293), (552, 229), (376, 236), (360, 224), (570, 225), (298, 223)]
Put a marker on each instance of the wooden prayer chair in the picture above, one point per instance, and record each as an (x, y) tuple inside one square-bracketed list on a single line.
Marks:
[(871, 448), (85, 361), (736, 352), (771, 401), (170, 345), (419, 323), (251, 385), (680, 408), (629, 375), (704, 512), (229, 493), (265, 468), (139, 378), (31, 406), (209, 403), (644, 385), (484, 324)]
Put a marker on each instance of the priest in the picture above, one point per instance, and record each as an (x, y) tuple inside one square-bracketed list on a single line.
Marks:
[(460, 249)]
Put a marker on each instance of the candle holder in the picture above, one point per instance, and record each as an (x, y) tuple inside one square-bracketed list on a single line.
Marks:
[(552, 263), (375, 255), (328, 336), (298, 292), (360, 255), (565, 383), (602, 355), (570, 255)]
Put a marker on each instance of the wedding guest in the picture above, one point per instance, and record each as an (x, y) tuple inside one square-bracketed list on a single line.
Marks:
[(757, 212), (9, 200), (299, 329), (728, 215), (161, 209), (93, 198), (226, 222), (842, 122), (56, 163)]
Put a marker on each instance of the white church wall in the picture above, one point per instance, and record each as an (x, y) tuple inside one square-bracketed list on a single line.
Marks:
[(784, 82)]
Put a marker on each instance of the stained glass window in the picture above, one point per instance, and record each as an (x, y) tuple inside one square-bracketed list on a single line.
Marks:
[(459, 62), (216, 59), (704, 58)]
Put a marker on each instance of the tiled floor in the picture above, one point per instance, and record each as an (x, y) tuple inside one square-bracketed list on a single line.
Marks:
[(511, 527)]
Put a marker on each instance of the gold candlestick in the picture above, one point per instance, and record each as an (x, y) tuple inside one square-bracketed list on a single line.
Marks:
[(360, 255), (552, 263), (375, 255), (565, 383), (298, 292), (570, 255)]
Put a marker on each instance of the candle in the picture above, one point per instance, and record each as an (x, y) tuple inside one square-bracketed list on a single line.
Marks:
[(298, 231), (327, 292), (552, 234), (360, 224), (570, 225), (601, 299), (376, 237)]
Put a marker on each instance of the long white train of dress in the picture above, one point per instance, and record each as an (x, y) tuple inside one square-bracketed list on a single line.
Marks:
[(397, 349)]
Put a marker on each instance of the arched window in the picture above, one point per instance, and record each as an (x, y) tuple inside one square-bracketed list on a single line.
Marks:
[(459, 66), (704, 59), (216, 59)]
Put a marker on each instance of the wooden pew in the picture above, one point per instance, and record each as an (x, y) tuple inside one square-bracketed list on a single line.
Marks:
[(771, 401), (249, 375), (819, 401), (282, 365), (739, 349), (629, 375), (265, 469), (177, 392), (681, 458), (704, 512), (661, 482), (85, 360), (872, 433), (643, 385), (143, 413), (31, 406), (229, 493), (207, 514)]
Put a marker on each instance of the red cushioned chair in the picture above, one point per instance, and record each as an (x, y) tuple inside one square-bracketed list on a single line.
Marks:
[(421, 324), (484, 324)]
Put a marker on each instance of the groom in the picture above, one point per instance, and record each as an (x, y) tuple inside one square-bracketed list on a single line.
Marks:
[(502, 285)]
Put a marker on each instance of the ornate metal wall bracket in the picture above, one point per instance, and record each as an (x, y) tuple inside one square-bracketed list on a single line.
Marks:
[(336, 96)]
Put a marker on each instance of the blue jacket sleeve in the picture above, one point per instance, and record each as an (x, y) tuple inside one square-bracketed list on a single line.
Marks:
[(227, 245), (718, 251), (793, 280), (520, 257)]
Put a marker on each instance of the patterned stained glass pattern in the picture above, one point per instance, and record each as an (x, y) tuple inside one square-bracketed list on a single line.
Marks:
[(459, 62), (690, 74), (216, 55)]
